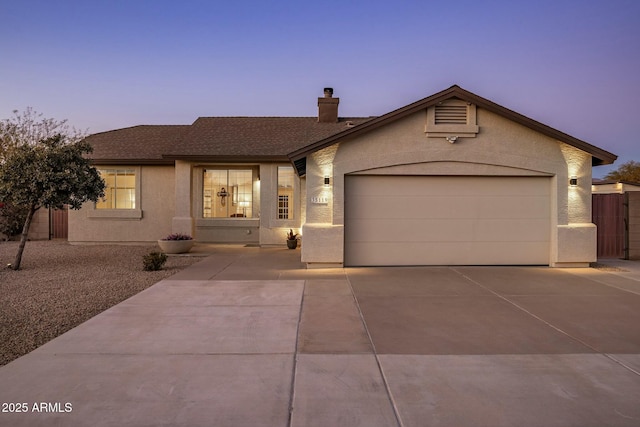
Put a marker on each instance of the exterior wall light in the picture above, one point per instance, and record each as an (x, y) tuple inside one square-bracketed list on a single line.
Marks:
[(573, 181), (327, 181)]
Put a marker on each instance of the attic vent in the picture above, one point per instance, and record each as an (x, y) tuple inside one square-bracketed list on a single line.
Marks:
[(301, 166), (452, 117), (451, 114)]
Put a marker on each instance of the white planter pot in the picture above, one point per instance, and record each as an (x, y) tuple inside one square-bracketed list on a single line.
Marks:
[(175, 246)]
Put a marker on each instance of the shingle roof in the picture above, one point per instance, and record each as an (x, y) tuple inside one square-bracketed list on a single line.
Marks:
[(136, 144), (279, 138), (254, 136), (214, 138)]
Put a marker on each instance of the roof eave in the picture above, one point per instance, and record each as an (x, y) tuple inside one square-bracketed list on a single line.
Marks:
[(143, 162), (615, 181), (599, 156), (227, 159)]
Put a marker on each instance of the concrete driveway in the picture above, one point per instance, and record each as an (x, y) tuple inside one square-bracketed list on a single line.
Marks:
[(247, 337)]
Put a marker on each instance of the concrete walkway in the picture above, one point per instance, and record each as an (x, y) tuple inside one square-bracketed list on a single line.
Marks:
[(248, 337)]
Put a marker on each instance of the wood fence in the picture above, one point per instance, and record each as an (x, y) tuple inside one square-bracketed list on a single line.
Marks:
[(617, 217), (609, 212), (59, 223), (633, 224)]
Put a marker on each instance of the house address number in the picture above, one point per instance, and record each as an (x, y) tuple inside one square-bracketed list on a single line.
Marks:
[(320, 200)]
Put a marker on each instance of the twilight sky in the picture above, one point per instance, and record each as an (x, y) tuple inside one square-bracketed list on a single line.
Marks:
[(106, 64)]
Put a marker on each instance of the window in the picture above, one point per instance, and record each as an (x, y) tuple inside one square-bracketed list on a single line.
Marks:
[(285, 192), (120, 190), (283, 207), (227, 193)]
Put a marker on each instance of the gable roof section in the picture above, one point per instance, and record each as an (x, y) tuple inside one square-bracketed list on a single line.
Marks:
[(135, 145), (599, 156)]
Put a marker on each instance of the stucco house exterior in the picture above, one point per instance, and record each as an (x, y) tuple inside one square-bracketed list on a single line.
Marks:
[(602, 186), (452, 179)]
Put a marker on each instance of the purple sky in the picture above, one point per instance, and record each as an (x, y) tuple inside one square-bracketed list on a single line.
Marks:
[(107, 64)]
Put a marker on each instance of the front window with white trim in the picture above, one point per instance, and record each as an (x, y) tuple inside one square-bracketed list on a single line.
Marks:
[(120, 190), (285, 192), (227, 193)]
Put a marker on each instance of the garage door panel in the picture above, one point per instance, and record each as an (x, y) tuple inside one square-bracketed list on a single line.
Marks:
[(446, 186), (412, 220), (421, 230), (435, 207), (449, 253)]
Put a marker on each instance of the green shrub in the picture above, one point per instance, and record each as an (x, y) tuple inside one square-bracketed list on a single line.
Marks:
[(12, 219), (154, 261)]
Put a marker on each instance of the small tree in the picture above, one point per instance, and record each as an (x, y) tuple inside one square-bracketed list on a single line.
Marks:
[(49, 172), (29, 128), (629, 171)]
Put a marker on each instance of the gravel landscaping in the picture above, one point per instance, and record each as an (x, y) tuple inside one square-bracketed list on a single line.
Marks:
[(60, 286)]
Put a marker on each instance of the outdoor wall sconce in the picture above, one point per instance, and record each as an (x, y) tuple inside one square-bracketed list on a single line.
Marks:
[(327, 181), (573, 181)]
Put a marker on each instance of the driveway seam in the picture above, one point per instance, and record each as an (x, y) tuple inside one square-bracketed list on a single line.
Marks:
[(396, 411), (294, 372), (513, 303), (223, 269), (578, 340), (609, 285), (621, 363)]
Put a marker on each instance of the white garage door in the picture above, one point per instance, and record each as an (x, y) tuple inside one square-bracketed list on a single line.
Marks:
[(438, 220)]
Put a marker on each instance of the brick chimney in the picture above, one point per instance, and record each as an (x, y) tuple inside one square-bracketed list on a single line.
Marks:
[(328, 107)]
